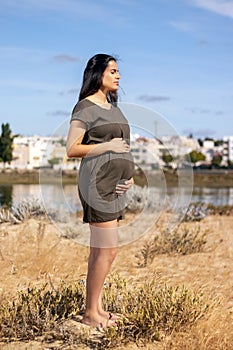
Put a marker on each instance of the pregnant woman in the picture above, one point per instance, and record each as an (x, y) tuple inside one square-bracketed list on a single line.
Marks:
[(100, 135)]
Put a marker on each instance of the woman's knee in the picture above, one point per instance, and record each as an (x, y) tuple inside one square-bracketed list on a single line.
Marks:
[(107, 254), (112, 253)]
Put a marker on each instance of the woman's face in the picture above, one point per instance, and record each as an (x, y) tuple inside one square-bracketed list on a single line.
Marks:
[(111, 77)]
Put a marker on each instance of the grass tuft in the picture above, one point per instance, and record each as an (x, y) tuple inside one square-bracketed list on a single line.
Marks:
[(36, 311), (152, 312), (183, 240)]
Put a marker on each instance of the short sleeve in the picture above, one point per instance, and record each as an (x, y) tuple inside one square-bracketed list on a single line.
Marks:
[(83, 112)]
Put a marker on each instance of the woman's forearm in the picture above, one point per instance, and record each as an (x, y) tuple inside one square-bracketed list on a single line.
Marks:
[(75, 148), (83, 151)]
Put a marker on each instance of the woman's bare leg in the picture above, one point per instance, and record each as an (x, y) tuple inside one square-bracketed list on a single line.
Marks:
[(107, 314), (103, 249)]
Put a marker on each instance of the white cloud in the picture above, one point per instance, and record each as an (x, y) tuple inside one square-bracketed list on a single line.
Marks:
[(153, 98), (66, 58), (221, 7), (182, 26), (199, 132), (27, 55), (59, 113)]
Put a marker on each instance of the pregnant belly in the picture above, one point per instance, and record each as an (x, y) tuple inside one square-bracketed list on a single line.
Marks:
[(102, 173), (118, 167)]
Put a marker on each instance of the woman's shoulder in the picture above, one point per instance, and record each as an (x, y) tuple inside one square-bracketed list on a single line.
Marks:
[(81, 105), (84, 111)]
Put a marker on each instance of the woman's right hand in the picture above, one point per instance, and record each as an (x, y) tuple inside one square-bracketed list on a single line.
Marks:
[(118, 145)]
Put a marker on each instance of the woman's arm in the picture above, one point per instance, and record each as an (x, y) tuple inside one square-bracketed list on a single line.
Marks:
[(75, 149)]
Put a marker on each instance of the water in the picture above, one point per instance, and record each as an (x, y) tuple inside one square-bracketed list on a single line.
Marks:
[(68, 196)]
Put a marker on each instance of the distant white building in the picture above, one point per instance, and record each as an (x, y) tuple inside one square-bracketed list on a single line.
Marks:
[(227, 149), (31, 152), (146, 152), (179, 145), (208, 150)]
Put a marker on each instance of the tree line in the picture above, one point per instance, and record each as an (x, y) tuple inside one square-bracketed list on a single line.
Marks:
[(6, 144), (194, 157)]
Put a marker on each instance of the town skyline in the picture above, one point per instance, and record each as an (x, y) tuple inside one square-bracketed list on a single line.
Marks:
[(36, 151)]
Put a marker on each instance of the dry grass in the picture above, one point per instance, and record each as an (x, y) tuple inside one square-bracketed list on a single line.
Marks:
[(38, 310), (149, 313), (225, 210), (183, 240), (25, 210), (34, 255)]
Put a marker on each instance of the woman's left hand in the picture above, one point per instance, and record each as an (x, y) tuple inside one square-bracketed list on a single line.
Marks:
[(122, 188)]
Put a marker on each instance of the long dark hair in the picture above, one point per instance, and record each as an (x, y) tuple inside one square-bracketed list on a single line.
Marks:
[(92, 77)]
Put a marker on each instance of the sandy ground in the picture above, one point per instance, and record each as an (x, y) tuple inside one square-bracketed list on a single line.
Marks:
[(32, 254)]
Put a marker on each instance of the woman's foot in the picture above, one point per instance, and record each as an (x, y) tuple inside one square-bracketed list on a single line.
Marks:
[(108, 315), (98, 321)]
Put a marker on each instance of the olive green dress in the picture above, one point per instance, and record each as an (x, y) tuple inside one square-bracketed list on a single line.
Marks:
[(99, 175)]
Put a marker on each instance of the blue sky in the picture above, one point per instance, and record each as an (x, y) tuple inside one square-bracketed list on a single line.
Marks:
[(175, 58)]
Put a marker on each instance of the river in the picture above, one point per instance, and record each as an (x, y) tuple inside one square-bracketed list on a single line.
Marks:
[(14, 194)]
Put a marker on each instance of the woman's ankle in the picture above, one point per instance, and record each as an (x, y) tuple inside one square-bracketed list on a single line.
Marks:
[(91, 314)]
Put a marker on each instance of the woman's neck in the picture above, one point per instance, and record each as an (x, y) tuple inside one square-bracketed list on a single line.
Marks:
[(99, 97)]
